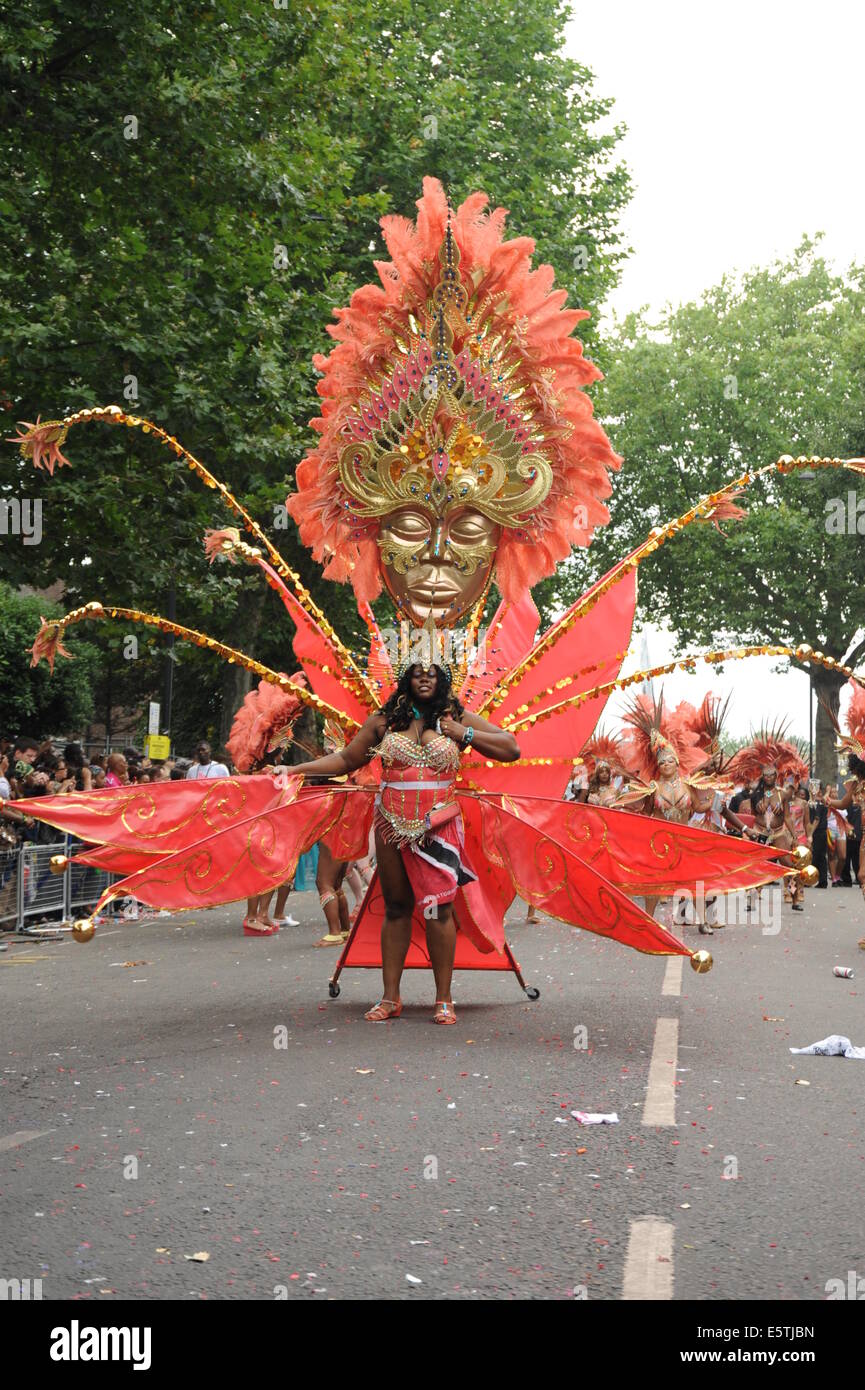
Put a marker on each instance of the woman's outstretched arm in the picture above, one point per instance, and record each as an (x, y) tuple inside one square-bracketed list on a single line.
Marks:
[(350, 758)]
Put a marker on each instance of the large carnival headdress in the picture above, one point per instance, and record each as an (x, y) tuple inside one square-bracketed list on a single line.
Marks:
[(707, 723), (455, 432), (654, 730), (767, 748)]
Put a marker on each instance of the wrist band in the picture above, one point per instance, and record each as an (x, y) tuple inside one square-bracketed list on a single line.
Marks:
[(468, 736)]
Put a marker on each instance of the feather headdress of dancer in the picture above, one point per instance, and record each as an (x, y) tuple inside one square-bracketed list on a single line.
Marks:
[(654, 730), (853, 741), (768, 747), (707, 722), (603, 749), (263, 723)]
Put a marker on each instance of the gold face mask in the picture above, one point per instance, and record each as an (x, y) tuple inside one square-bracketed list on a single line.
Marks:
[(438, 564)]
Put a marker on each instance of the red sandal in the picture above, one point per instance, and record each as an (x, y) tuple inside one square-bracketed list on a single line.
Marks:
[(377, 1013), (250, 930), (447, 1014)]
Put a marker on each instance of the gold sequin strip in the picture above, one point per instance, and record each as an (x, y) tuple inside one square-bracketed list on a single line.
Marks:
[(352, 675), (512, 723), (200, 639), (701, 511)]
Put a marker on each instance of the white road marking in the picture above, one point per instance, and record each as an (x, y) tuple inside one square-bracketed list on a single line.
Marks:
[(649, 1260), (22, 1136), (673, 976), (660, 1106)]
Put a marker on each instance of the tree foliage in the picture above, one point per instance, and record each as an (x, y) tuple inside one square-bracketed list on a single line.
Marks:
[(187, 193), (33, 702), (772, 364)]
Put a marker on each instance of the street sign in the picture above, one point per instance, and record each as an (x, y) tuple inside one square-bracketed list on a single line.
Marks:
[(157, 745), (153, 718)]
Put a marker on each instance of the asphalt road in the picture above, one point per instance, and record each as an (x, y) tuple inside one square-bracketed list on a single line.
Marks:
[(409, 1161)]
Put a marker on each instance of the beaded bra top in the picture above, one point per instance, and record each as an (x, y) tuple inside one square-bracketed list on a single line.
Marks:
[(417, 777), (399, 750)]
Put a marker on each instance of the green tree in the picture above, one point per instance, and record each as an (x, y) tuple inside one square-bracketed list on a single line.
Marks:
[(187, 193), (33, 702), (772, 364)]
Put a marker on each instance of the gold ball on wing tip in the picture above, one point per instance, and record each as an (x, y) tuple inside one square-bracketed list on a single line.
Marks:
[(701, 961), (83, 929)]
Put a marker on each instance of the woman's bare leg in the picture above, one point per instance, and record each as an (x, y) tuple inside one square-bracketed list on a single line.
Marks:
[(282, 898), (328, 880), (441, 940), (399, 906), (356, 884)]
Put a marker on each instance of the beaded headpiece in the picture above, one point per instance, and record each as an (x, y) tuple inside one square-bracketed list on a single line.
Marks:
[(455, 383)]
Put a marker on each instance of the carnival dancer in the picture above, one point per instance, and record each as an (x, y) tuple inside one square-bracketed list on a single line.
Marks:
[(606, 772), (419, 839), (262, 726), (771, 760), (664, 754), (853, 744)]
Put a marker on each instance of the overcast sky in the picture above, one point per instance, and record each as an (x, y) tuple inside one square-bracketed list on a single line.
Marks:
[(745, 130)]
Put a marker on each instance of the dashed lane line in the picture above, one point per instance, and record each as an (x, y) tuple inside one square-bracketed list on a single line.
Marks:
[(649, 1259), (660, 1104)]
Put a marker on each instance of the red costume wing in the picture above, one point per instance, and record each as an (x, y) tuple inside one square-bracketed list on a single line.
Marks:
[(161, 817), (645, 854), (553, 878), (509, 637), (250, 856), (574, 655), (323, 664)]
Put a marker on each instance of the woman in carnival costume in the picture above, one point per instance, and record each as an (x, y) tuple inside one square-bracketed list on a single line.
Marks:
[(853, 744), (456, 445), (774, 764), (664, 754)]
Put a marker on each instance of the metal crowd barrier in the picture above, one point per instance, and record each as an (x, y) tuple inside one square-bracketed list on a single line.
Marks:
[(30, 892)]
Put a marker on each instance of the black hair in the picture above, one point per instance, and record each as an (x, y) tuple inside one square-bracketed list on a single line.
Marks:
[(398, 710), (25, 741), (856, 765), (73, 755)]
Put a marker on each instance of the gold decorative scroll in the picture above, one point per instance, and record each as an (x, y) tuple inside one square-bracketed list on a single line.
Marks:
[(112, 414)]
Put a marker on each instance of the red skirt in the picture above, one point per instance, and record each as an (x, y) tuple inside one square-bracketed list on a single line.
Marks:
[(436, 865)]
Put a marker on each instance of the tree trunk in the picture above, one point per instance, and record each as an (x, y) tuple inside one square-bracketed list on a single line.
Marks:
[(827, 689), (235, 682)]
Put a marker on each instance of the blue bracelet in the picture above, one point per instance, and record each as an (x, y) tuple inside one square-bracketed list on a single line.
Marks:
[(468, 736)]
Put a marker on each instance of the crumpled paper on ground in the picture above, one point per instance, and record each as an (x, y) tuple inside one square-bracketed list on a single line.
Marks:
[(585, 1118), (833, 1046)]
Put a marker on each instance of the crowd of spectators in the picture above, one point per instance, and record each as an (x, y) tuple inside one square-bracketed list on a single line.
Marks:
[(31, 767)]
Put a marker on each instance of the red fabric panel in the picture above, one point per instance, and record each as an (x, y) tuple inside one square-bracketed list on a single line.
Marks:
[(509, 636), (252, 855), (363, 949), (552, 877), (600, 640), (645, 854), (314, 651), (161, 817)]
